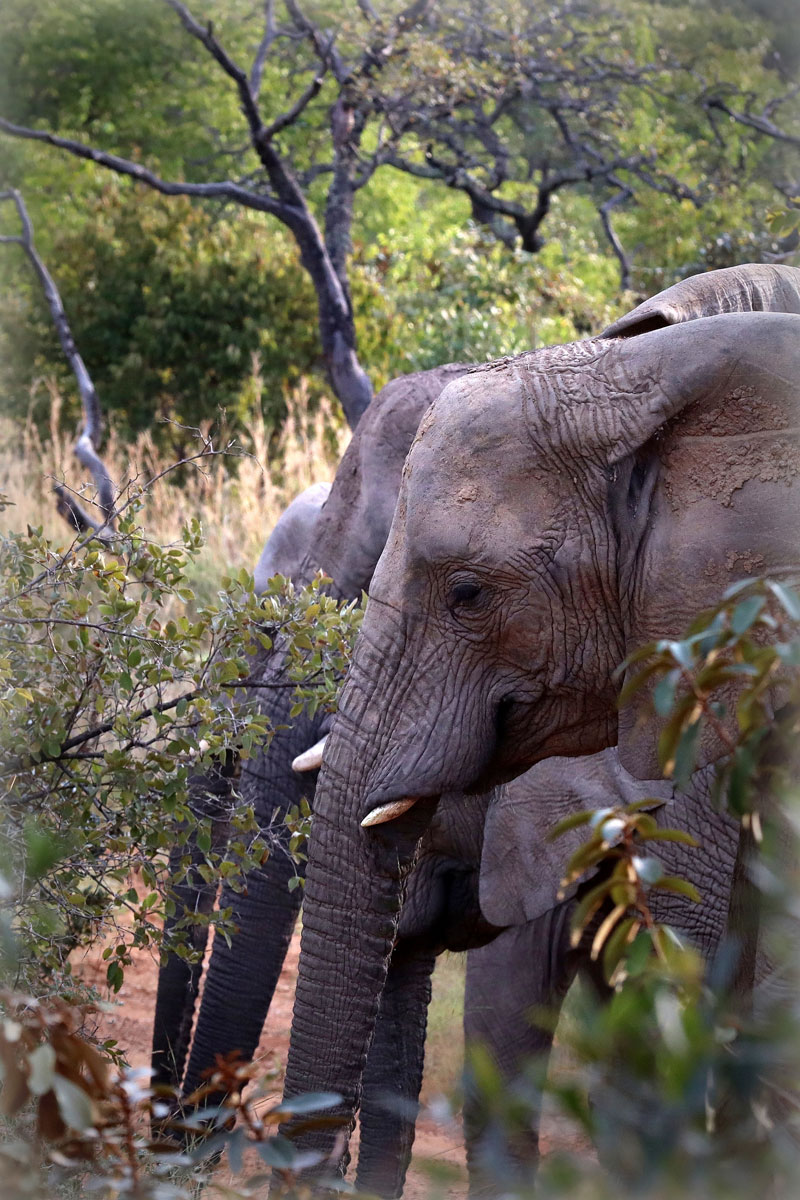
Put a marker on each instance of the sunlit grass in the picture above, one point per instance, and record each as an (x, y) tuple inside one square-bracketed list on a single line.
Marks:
[(238, 494)]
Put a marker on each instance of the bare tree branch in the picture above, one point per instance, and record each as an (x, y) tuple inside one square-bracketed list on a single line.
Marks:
[(264, 47), (368, 10), (223, 190), (324, 44), (761, 123), (327, 271), (625, 193), (90, 436), (289, 118)]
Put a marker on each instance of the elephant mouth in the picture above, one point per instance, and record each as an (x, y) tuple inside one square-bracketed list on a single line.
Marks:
[(395, 807)]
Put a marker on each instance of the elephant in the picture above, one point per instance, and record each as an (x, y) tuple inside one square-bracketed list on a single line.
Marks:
[(557, 510), (342, 530)]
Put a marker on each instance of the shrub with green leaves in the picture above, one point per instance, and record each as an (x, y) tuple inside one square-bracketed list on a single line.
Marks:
[(687, 1085), (116, 686), (112, 689)]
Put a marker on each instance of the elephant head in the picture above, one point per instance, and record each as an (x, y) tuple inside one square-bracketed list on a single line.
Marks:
[(286, 549), (556, 510)]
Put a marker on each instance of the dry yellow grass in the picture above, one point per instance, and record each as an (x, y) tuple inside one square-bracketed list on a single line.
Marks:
[(238, 495)]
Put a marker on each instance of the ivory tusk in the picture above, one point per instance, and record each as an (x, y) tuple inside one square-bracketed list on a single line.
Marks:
[(310, 759), (388, 812)]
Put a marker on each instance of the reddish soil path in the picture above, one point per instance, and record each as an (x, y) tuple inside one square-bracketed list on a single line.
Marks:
[(130, 1018)]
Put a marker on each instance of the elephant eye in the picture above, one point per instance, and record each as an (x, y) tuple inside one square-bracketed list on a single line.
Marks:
[(464, 593)]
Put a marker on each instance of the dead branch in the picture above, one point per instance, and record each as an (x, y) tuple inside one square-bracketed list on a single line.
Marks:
[(87, 445), (221, 190), (264, 47), (757, 121), (624, 193)]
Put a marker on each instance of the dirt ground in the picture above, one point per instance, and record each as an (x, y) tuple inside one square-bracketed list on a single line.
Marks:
[(130, 1023)]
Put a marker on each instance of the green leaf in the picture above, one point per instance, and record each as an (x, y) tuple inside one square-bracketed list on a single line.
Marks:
[(309, 1103), (617, 943), (746, 613), (664, 692), (672, 835), (571, 822), (787, 597), (649, 869), (115, 975), (682, 887), (587, 907), (686, 754)]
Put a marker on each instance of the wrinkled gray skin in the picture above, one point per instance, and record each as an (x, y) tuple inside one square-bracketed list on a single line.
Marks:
[(557, 510), (286, 548), (441, 909)]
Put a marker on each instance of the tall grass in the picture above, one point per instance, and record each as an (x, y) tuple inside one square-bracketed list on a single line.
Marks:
[(238, 493)]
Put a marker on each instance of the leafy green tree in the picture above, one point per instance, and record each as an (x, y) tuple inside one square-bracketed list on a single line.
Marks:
[(170, 308), (294, 115)]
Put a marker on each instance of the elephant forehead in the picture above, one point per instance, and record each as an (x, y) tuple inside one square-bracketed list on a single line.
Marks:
[(519, 410), (474, 506)]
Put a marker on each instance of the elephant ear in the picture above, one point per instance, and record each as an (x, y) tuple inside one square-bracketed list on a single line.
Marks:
[(750, 288), (699, 424), (521, 868), (354, 525)]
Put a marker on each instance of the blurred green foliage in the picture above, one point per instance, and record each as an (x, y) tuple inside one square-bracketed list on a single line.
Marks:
[(685, 1083)]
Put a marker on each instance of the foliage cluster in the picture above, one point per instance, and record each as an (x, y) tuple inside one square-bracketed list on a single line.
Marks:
[(88, 1113), (118, 687), (114, 691), (687, 1081)]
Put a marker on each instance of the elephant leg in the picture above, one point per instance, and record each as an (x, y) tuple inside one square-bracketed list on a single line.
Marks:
[(242, 976), (526, 968), (179, 980), (393, 1074)]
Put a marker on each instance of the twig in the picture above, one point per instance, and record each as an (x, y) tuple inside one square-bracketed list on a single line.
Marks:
[(625, 193), (264, 47), (79, 739), (293, 113)]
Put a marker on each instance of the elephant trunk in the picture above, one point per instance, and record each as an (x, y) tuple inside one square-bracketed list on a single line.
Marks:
[(354, 882)]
